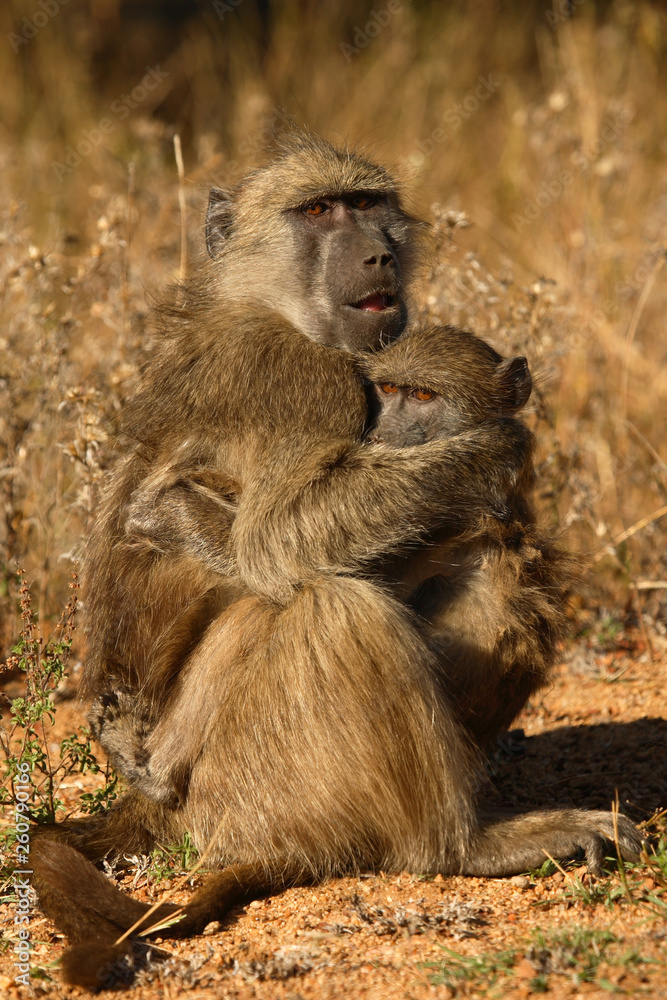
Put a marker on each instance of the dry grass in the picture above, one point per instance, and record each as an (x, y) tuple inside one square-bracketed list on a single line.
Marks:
[(557, 159)]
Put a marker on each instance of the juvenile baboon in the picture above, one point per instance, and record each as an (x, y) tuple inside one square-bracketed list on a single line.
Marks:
[(438, 381), (327, 741), (493, 597)]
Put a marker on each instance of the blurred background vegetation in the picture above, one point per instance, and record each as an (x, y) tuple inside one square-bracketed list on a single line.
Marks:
[(532, 135)]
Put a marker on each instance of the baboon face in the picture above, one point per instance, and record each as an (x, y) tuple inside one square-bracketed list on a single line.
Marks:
[(320, 237), (351, 263), (440, 382), (408, 415)]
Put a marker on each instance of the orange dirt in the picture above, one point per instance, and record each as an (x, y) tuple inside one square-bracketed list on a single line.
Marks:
[(597, 732)]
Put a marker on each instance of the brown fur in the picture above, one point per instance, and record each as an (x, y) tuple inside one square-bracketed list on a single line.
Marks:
[(324, 741)]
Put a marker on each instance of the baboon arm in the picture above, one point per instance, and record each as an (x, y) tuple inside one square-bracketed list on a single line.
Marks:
[(284, 416), (346, 507), (510, 845)]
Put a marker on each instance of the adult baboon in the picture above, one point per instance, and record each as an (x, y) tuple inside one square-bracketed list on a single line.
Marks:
[(327, 743)]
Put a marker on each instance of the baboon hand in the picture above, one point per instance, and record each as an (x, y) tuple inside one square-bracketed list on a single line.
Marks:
[(123, 732), (508, 846), (510, 445), (486, 463)]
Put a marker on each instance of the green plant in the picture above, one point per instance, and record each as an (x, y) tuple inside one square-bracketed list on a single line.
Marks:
[(576, 954), (483, 971), (579, 951), (26, 738), (608, 630), (656, 861), (546, 870), (658, 856), (606, 891), (172, 860)]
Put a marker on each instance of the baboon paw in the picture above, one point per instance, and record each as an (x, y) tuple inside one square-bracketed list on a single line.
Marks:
[(507, 845), (609, 833), (111, 709), (596, 835), (124, 735)]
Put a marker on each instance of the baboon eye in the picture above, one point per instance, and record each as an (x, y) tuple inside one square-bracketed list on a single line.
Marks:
[(316, 208), (363, 201), (389, 387), (423, 394)]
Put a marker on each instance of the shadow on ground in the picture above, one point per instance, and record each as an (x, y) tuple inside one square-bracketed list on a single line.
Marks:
[(585, 766)]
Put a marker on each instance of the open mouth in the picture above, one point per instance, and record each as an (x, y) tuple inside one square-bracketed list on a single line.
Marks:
[(377, 302)]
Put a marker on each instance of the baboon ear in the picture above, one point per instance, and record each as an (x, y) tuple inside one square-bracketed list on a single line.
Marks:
[(219, 218), (515, 383)]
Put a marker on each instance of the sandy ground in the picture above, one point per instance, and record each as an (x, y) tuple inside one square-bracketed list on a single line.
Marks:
[(599, 730)]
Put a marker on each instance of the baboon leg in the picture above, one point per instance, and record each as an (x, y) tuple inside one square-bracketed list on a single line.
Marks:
[(508, 845), (101, 913), (234, 885), (186, 509), (262, 662), (174, 745), (329, 723), (157, 760), (494, 614), (130, 826)]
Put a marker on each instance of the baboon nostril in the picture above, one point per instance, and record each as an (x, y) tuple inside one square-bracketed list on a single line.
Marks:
[(384, 260)]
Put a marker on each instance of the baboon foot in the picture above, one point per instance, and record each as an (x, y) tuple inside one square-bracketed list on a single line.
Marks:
[(122, 732), (512, 844)]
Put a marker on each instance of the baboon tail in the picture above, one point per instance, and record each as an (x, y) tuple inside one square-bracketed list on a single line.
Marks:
[(94, 914), (87, 908)]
